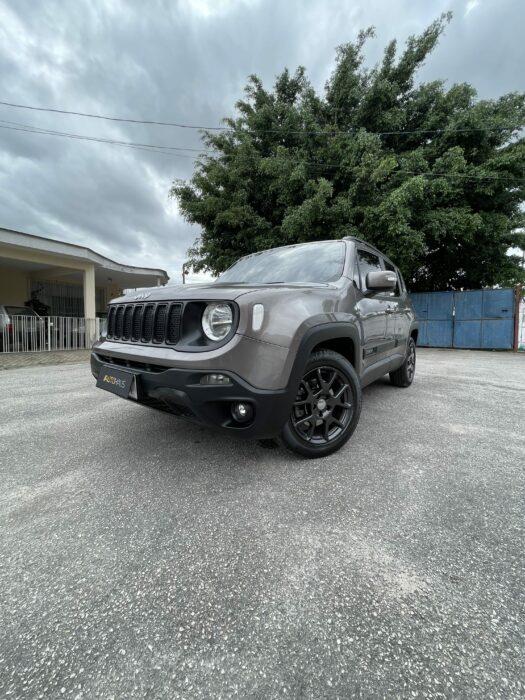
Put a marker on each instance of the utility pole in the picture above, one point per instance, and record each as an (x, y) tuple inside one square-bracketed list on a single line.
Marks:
[(184, 273)]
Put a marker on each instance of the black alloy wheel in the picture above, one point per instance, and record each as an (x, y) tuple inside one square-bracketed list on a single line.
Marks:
[(323, 406), (326, 408), (411, 362), (404, 376)]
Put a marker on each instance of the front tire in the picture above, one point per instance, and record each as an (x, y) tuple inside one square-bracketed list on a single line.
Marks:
[(327, 406), (404, 376)]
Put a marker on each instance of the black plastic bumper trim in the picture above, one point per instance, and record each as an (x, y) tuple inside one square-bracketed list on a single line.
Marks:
[(179, 391)]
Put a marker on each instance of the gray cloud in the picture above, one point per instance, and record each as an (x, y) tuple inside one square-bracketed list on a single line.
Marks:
[(185, 61)]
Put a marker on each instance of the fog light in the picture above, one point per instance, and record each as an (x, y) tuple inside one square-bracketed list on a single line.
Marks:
[(242, 412), (215, 379)]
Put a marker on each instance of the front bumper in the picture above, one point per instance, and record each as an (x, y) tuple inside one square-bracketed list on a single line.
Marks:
[(179, 391)]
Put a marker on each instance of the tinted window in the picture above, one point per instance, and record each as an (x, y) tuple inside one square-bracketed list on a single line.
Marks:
[(368, 262), (389, 266), (313, 262)]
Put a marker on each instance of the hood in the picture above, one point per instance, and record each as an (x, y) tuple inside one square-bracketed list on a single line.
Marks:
[(216, 291)]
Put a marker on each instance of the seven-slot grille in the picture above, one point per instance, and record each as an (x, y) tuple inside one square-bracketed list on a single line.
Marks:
[(157, 322)]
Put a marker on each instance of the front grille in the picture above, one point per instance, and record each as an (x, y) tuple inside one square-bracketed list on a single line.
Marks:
[(159, 327), (126, 334), (119, 323), (145, 323), (173, 329), (131, 364), (137, 323)]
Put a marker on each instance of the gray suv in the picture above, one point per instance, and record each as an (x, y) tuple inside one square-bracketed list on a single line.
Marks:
[(280, 345)]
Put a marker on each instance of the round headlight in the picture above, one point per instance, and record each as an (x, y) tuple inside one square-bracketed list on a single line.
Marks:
[(217, 321)]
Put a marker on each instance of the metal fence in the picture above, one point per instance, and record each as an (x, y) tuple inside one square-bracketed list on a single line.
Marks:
[(47, 333), (482, 318)]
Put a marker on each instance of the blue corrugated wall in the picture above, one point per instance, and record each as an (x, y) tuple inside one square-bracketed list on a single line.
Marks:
[(475, 319)]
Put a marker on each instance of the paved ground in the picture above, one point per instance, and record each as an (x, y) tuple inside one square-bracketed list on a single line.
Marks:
[(143, 557), (13, 360)]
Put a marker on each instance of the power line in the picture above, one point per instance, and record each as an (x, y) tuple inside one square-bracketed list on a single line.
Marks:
[(444, 130), (466, 176), (111, 119), (100, 138), (165, 150), (175, 152), (471, 176)]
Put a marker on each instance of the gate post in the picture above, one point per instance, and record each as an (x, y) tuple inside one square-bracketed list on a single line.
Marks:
[(517, 317)]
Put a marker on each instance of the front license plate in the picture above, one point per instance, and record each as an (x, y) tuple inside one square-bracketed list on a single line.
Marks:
[(117, 381)]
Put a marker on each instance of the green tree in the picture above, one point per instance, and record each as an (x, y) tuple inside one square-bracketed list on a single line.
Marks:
[(431, 176)]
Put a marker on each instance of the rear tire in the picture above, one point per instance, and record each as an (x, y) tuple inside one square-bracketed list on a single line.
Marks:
[(326, 408), (404, 376)]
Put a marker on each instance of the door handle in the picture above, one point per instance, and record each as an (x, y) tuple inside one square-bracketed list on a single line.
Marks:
[(390, 309)]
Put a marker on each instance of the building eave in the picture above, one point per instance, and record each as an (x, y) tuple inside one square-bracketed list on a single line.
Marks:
[(29, 241)]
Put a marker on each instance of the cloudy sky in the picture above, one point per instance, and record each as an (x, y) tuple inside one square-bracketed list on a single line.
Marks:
[(184, 61)]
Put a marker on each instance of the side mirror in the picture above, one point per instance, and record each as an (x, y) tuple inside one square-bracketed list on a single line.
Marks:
[(383, 281)]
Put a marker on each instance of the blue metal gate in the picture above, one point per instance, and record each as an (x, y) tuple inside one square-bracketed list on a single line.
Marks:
[(475, 319)]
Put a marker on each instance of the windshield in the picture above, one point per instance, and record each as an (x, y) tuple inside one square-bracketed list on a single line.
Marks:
[(313, 262), (20, 311)]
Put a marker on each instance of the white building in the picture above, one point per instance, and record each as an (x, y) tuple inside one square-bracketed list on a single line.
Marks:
[(71, 280)]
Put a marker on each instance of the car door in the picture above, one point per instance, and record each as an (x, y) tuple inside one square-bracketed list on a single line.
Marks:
[(399, 312), (394, 308), (371, 310)]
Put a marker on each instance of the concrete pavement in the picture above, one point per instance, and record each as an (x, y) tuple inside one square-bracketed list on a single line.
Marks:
[(144, 557)]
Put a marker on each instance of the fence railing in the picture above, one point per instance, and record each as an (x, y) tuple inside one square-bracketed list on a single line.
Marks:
[(48, 333)]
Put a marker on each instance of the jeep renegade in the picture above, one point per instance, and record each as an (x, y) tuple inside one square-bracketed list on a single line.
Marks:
[(280, 345)]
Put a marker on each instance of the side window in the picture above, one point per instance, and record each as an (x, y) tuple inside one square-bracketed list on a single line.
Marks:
[(397, 290), (368, 262)]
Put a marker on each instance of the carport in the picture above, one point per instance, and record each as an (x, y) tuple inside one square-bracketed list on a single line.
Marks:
[(67, 285), (70, 280)]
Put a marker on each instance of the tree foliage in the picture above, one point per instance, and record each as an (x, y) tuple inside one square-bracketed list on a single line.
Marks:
[(430, 175)]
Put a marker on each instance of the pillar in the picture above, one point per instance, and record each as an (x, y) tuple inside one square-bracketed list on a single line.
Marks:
[(89, 293)]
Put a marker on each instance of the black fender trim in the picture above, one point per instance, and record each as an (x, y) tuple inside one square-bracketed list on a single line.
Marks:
[(414, 326), (314, 336)]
